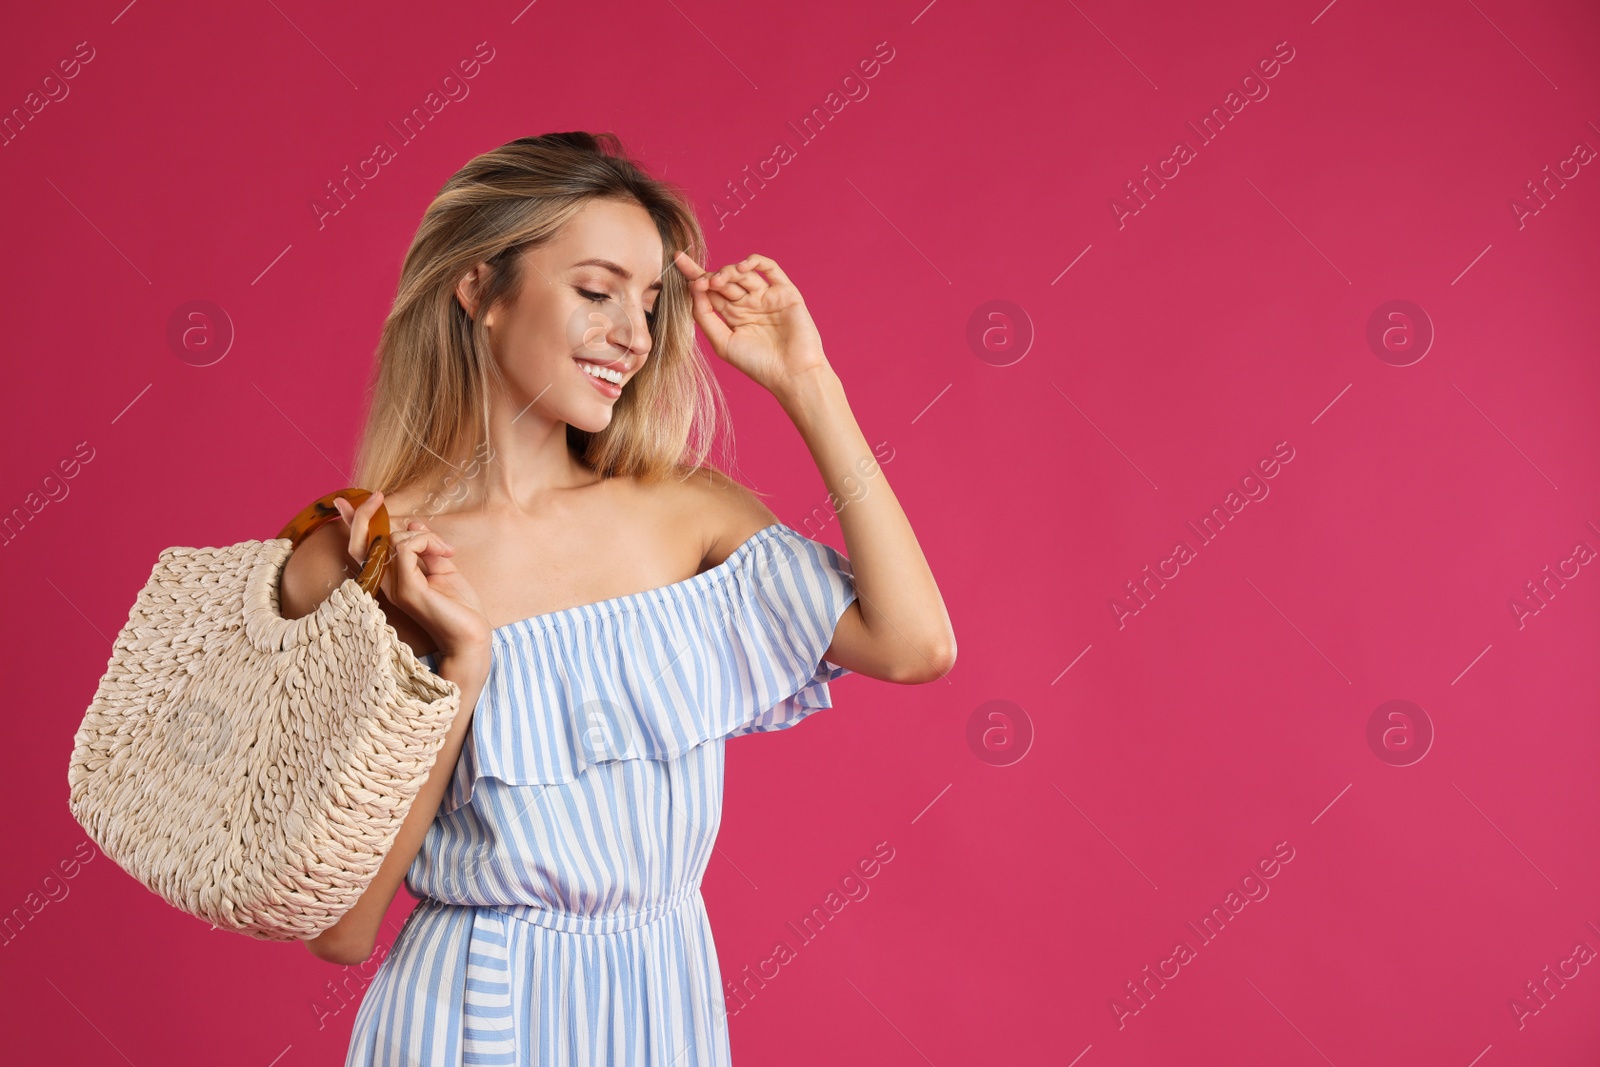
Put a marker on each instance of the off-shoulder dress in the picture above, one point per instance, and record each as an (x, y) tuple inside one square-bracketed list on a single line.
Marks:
[(560, 919)]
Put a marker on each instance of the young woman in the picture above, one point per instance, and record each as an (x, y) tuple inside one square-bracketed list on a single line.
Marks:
[(612, 609)]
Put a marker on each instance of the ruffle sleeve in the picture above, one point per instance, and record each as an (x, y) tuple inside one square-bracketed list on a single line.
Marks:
[(736, 649), (799, 593)]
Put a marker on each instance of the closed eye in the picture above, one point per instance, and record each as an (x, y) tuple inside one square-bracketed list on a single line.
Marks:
[(598, 298)]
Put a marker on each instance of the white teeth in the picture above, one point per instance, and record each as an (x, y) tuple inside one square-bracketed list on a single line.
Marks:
[(604, 373)]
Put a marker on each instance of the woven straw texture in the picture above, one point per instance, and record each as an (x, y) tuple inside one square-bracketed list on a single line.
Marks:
[(254, 770)]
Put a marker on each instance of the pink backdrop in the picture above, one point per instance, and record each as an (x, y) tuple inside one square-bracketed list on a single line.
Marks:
[(1351, 323)]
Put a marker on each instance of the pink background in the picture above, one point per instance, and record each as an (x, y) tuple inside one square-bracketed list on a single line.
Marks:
[(1172, 752)]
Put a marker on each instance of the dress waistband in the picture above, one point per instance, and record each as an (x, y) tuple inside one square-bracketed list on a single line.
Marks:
[(567, 922)]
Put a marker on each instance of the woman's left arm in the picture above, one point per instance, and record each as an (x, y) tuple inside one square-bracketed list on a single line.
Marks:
[(898, 628), (902, 631)]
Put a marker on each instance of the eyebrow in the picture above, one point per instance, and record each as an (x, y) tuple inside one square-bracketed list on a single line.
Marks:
[(615, 268)]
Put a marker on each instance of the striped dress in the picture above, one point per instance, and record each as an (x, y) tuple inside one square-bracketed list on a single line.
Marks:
[(560, 919)]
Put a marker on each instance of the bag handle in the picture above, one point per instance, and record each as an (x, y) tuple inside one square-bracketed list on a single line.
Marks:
[(322, 511)]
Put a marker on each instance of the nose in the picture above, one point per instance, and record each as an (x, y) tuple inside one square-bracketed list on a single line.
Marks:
[(632, 331), (614, 333)]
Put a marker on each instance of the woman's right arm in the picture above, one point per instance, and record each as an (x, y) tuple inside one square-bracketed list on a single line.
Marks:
[(319, 564)]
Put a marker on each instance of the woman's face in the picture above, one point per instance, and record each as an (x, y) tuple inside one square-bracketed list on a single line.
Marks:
[(587, 301)]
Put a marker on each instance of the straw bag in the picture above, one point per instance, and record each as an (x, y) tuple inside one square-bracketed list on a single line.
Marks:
[(254, 770)]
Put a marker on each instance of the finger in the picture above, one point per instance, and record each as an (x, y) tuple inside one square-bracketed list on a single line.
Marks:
[(717, 278), (749, 279), (729, 287), (431, 563), (438, 545), (418, 524), (411, 548), (356, 524), (755, 261), (727, 275), (720, 288), (687, 267), (421, 542), (347, 515), (716, 330)]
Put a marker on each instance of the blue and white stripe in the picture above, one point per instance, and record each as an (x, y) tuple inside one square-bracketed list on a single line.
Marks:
[(561, 919)]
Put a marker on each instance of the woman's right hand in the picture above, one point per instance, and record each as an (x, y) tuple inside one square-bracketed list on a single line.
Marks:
[(421, 580)]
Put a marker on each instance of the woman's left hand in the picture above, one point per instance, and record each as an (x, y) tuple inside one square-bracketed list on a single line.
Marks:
[(758, 324)]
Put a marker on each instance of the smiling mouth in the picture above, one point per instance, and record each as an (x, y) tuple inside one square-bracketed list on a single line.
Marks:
[(604, 374)]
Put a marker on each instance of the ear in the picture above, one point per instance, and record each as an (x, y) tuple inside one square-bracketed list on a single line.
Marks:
[(466, 292)]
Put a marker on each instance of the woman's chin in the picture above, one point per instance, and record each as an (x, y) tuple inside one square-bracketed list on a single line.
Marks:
[(590, 418)]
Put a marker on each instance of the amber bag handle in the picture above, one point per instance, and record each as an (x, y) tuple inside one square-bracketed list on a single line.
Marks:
[(322, 511)]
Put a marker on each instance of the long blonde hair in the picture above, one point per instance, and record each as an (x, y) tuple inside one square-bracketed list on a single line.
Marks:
[(430, 387)]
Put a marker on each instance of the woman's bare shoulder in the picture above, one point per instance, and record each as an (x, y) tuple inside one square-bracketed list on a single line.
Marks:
[(725, 513)]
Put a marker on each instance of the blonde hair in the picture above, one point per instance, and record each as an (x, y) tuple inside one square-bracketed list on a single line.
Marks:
[(429, 393)]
